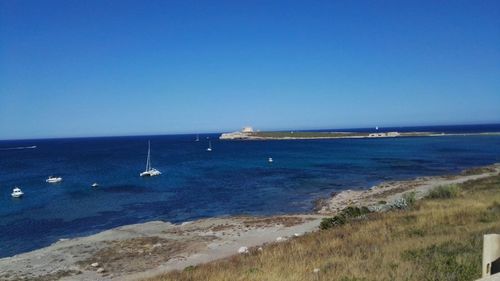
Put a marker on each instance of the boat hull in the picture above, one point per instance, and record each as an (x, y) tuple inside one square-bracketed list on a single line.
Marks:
[(53, 180), (150, 173)]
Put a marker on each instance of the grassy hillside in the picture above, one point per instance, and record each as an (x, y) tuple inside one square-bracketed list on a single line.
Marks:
[(438, 238)]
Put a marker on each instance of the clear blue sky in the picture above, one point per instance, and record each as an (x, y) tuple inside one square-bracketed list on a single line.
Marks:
[(91, 68)]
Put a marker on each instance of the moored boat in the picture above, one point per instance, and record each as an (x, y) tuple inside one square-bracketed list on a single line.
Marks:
[(150, 171), (52, 179), (17, 192)]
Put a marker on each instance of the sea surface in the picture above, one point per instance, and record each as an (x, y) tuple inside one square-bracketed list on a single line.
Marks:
[(235, 178)]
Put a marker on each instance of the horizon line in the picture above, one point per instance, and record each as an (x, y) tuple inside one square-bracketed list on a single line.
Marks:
[(212, 133)]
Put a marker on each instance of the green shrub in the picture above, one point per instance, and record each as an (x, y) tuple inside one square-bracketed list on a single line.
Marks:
[(444, 192), (343, 217), (405, 202), (410, 198), (190, 268), (327, 223)]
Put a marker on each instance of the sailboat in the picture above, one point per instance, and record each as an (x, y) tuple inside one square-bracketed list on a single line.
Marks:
[(209, 146), (197, 138), (149, 172)]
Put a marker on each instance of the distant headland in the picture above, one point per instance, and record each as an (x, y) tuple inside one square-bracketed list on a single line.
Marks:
[(248, 133)]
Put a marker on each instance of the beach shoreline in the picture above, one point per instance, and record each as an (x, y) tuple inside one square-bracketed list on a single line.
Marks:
[(138, 251)]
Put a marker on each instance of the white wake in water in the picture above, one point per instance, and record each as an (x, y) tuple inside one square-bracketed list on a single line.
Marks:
[(19, 147)]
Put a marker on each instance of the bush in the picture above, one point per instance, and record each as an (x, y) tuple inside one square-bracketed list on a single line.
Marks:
[(410, 198), (327, 223), (190, 268), (343, 217), (406, 201), (400, 204), (444, 192)]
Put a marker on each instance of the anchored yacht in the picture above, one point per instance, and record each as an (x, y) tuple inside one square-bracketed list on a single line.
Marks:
[(17, 192), (149, 172), (52, 179)]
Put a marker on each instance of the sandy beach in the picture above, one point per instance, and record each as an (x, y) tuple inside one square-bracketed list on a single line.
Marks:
[(135, 252)]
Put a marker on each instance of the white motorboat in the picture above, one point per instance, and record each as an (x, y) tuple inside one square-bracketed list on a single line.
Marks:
[(270, 160), (149, 172), (17, 192), (95, 184), (52, 179), (209, 146)]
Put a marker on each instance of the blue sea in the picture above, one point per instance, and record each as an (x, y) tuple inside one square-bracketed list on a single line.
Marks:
[(235, 178)]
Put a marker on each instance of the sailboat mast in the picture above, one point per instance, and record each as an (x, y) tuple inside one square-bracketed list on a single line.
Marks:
[(148, 161)]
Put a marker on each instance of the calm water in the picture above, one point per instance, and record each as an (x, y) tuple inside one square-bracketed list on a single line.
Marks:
[(235, 178)]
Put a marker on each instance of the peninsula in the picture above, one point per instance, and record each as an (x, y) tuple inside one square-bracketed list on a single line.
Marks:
[(247, 133)]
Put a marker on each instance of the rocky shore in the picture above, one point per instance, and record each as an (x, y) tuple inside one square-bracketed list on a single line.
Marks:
[(139, 251)]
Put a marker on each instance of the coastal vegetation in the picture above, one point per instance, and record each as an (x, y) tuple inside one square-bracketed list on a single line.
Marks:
[(348, 214), (444, 192), (436, 238)]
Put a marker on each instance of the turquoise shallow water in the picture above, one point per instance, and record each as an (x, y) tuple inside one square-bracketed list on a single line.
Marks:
[(235, 178)]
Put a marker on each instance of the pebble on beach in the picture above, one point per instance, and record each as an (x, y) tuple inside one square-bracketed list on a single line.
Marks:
[(280, 239)]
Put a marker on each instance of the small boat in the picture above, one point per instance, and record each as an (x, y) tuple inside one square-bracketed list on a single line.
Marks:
[(52, 179), (270, 160), (17, 192), (149, 172), (209, 146), (95, 184), (197, 138)]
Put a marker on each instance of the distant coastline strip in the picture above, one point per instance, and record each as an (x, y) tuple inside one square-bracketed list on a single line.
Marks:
[(302, 135)]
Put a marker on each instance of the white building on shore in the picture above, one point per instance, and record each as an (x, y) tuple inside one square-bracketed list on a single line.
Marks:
[(243, 134), (247, 129)]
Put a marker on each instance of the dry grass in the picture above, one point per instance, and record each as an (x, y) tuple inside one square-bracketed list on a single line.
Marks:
[(439, 239)]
